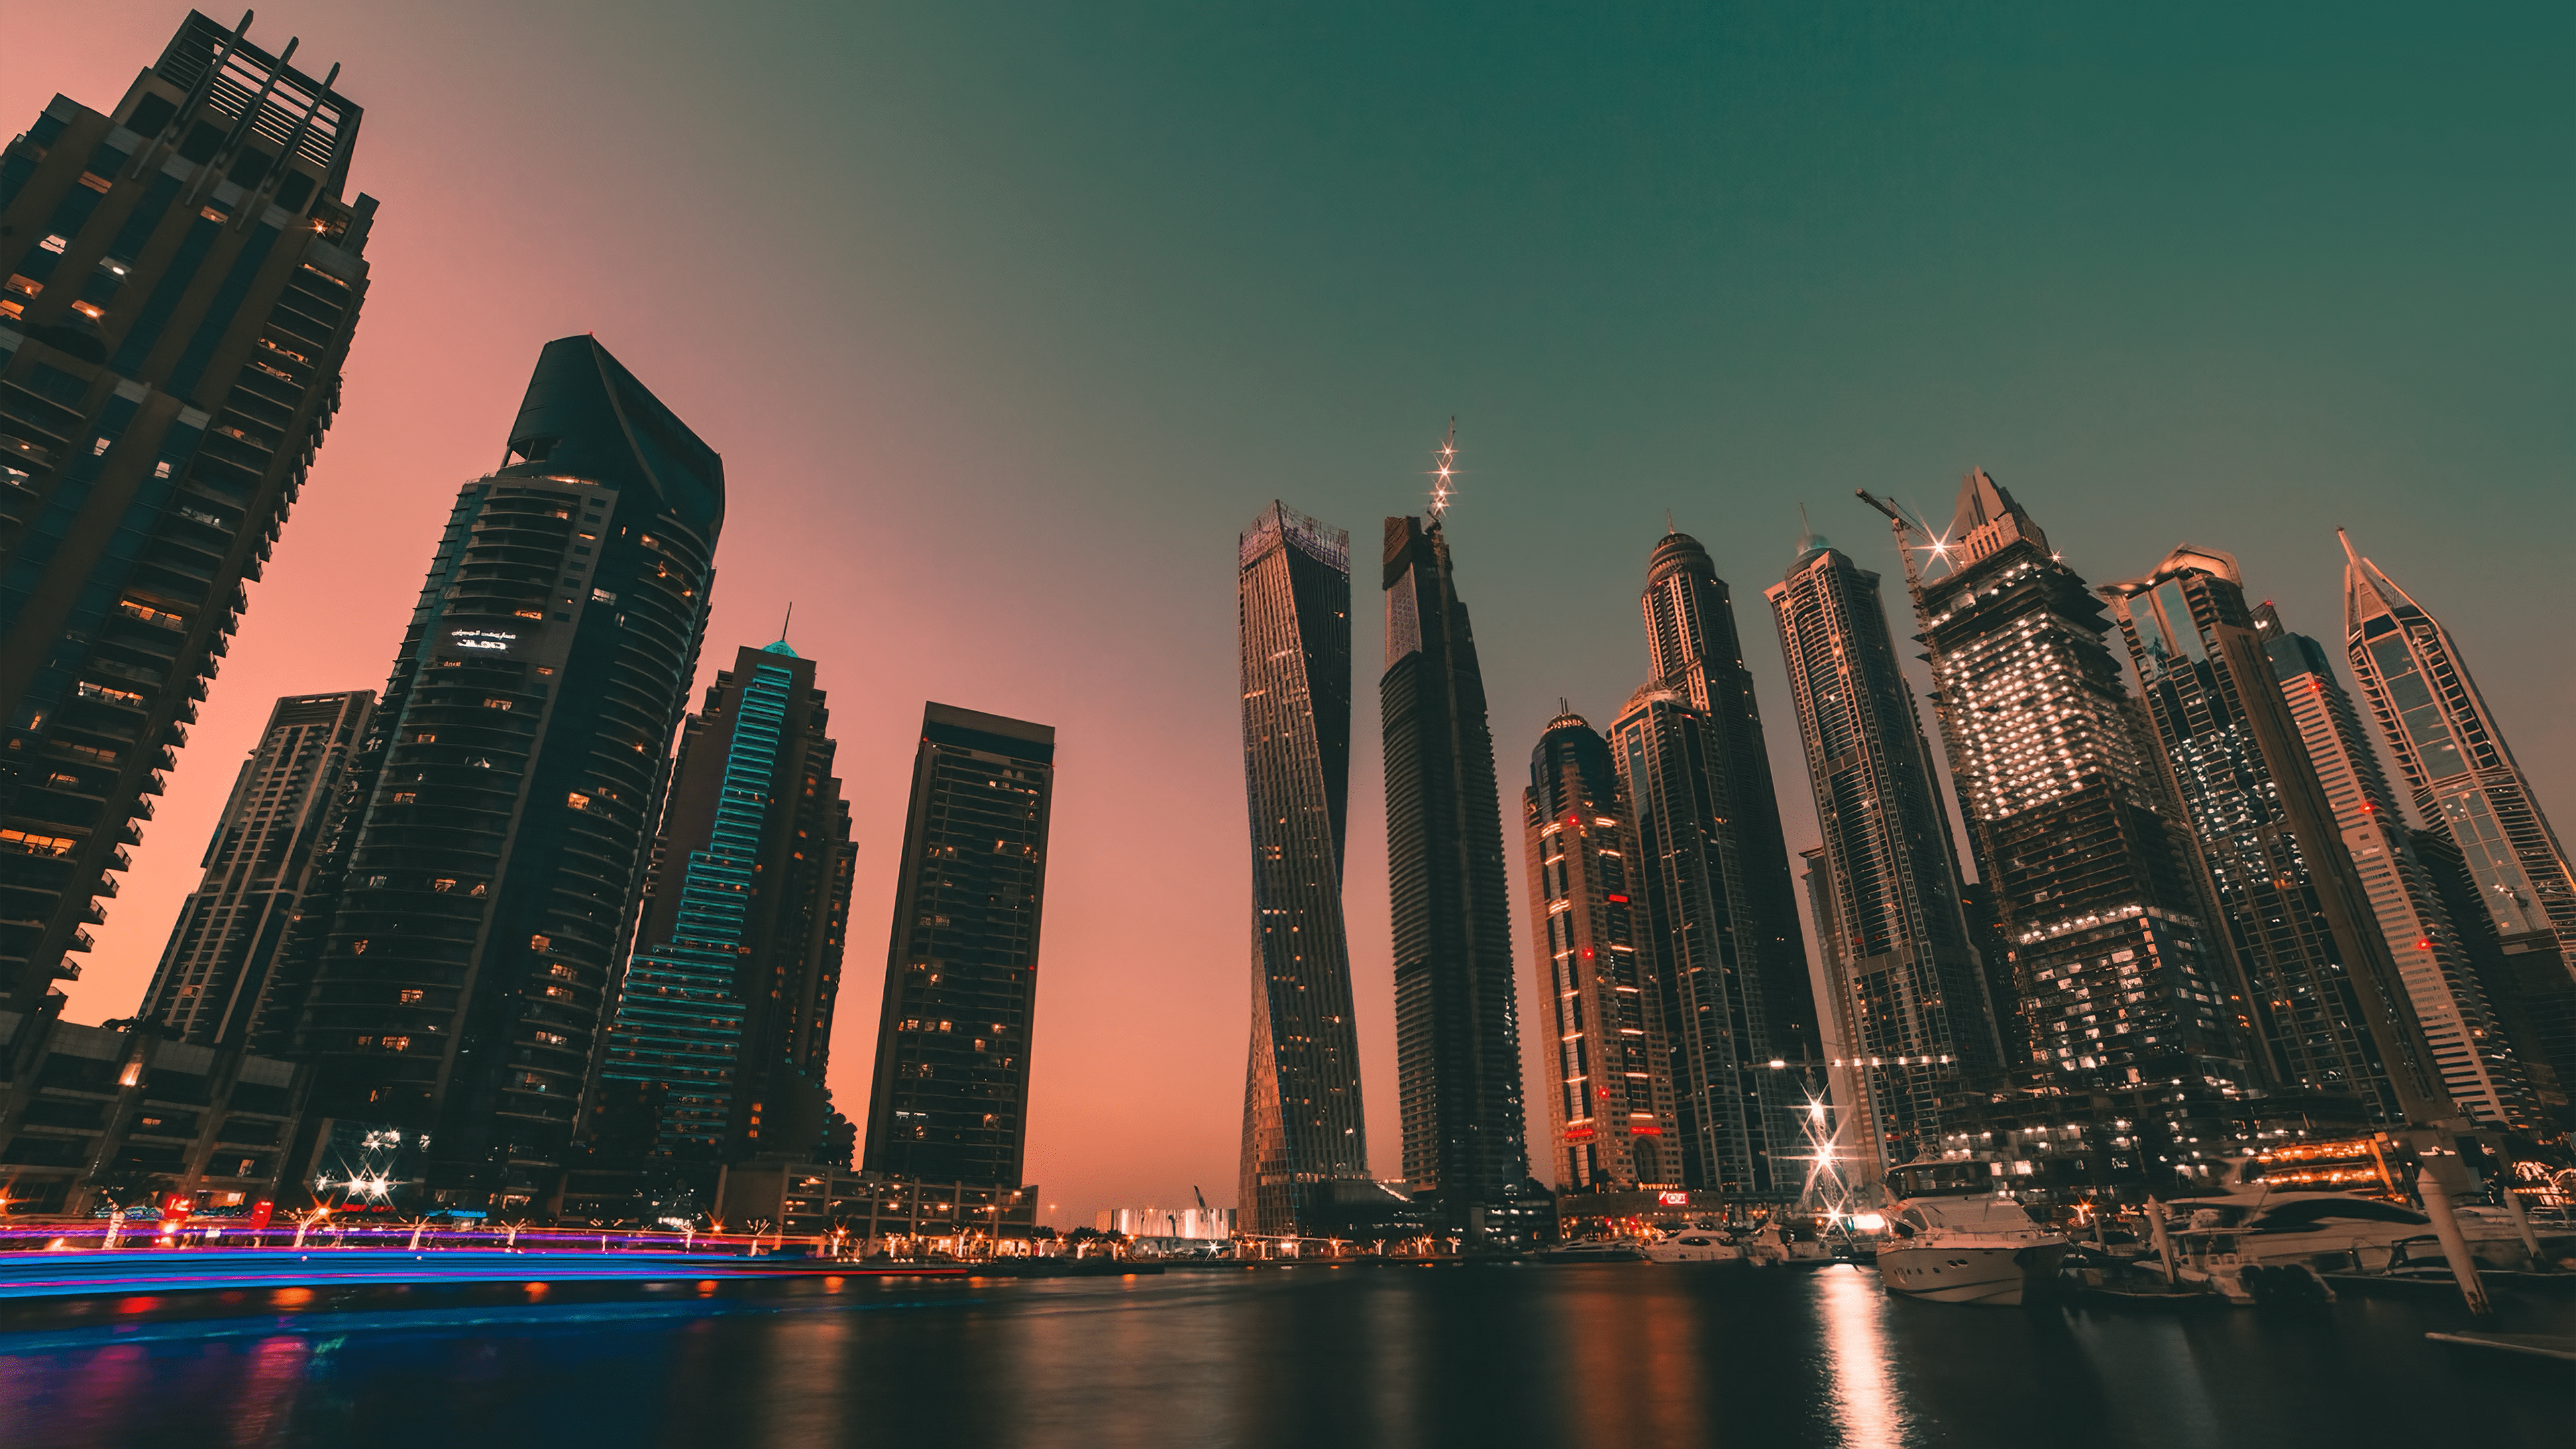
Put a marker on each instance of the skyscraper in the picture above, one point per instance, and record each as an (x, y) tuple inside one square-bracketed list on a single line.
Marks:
[(726, 1005), (2329, 1011), (1457, 1025), (510, 780), (1721, 927), (215, 973), (182, 278), (2476, 1060), (2089, 858), (1303, 1123), (2454, 756), (952, 1079), (1611, 1102), (1909, 987)]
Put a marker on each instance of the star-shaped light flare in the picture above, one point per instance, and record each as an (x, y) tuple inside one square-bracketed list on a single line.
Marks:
[(1444, 472)]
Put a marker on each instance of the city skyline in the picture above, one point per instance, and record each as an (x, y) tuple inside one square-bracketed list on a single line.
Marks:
[(284, 642)]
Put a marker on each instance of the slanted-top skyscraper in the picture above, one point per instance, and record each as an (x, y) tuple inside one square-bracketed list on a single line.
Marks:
[(952, 1073), (1611, 1103), (1457, 1024), (182, 279), (1910, 993), (2089, 856), (2328, 1010), (724, 1019), (1303, 1124), (1721, 924), (510, 780), (2476, 1060), (2454, 756)]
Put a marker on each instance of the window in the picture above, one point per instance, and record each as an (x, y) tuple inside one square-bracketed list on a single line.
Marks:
[(559, 993), (359, 947), (602, 596), (114, 696), (443, 884), (94, 182), (136, 609), (406, 797), (27, 844), (552, 1038), (424, 738), (540, 943), (397, 1043), (496, 704), (55, 244), (410, 996), (530, 613), (577, 800), (559, 971)]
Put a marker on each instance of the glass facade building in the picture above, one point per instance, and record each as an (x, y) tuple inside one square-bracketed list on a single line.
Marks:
[(1909, 991), (1610, 1100), (2328, 1010), (723, 1022), (214, 976), (179, 280), (1303, 1119), (952, 1071), (1457, 1022), (1720, 930), (2473, 1054), (485, 880)]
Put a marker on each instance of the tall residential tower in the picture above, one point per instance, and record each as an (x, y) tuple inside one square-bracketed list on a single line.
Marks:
[(952, 1073), (215, 974), (1303, 1126), (1721, 930), (2115, 967), (1909, 987), (2329, 1013), (509, 784), (182, 277), (1457, 1025), (723, 1023), (1610, 1097), (2473, 1055)]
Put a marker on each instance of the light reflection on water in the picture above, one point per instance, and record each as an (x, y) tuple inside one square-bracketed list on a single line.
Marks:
[(1608, 1354)]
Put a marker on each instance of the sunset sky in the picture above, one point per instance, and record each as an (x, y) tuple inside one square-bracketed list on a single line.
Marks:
[(1007, 317)]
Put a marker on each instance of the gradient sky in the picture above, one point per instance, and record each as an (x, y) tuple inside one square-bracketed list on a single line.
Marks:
[(1007, 317)]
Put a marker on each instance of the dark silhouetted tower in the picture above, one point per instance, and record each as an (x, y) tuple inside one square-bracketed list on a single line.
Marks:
[(182, 280), (511, 778), (727, 1002), (1910, 994), (215, 973), (1303, 1123), (952, 1080), (1457, 1027), (1727, 955)]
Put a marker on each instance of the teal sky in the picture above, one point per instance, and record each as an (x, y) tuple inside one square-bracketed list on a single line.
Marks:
[(1006, 318)]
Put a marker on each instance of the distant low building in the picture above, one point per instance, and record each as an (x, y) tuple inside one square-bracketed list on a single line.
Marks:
[(93, 1115), (1192, 1223)]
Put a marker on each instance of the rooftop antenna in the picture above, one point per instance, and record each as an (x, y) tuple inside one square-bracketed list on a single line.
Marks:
[(1446, 466), (1670, 527), (783, 623), (1562, 707)]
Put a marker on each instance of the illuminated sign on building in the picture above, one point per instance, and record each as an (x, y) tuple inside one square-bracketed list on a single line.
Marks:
[(1672, 1199), (492, 641)]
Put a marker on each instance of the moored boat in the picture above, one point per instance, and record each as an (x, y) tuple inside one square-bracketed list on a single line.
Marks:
[(1951, 1240)]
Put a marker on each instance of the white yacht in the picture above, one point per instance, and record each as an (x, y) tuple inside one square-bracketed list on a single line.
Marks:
[(1952, 1240), (1694, 1245), (2269, 1210)]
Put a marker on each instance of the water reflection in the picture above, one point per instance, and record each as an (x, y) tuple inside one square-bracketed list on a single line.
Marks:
[(1866, 1408), (1605, 1354)]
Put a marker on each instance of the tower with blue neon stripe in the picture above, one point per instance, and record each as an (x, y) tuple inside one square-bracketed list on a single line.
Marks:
[(722, 1027)]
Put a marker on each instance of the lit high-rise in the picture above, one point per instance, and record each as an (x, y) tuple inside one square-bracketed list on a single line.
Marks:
[(723, 1023), (1303, 1124), (2115, 966), (951, 1100), (2473, 1055), (1726, 953), (182, 276), (1909, 987), (214, 978), (2328, 1010), (510, 782), (1457, 1024), (1610, 1097)]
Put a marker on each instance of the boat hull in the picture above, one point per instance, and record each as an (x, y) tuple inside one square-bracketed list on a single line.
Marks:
[(2000, 1276)]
